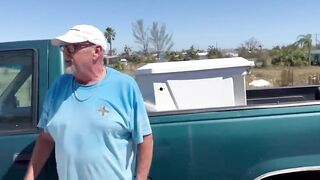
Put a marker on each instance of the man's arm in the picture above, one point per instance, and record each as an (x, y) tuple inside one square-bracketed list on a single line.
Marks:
[(40, 155), (145, 151)]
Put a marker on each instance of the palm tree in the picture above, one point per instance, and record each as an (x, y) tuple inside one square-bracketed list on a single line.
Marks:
[(110, 34), (305, 41)]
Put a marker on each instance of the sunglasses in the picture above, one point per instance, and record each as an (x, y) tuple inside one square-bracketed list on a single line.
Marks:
[(72, 48)]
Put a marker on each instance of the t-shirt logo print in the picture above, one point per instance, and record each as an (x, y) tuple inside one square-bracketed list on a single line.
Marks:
[(103, 110)]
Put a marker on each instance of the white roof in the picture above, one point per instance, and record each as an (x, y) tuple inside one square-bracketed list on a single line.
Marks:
[(193, 65)]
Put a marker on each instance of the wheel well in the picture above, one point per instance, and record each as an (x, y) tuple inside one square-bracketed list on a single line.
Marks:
[(308, 175)]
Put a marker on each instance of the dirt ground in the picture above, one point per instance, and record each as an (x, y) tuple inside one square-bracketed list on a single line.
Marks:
[(283, 76)]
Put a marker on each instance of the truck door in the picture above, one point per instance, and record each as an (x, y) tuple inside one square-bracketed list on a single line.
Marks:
[(16, 114), (18, 109)]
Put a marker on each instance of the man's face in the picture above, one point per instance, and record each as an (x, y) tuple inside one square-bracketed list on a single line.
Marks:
[(76, 56)]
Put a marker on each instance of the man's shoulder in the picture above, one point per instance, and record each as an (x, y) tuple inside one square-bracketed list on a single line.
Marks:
[(120, 75), (62, 80), (66, 77)]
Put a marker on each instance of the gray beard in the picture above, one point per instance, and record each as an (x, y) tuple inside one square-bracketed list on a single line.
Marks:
[(70, 69)]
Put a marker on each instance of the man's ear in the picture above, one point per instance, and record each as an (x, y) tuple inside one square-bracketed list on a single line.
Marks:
[(98, 51)]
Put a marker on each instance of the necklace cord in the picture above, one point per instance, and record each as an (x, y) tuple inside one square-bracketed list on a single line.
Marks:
[(76, 95)]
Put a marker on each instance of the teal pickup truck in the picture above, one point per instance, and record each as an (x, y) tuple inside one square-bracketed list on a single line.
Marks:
[(276, 135)]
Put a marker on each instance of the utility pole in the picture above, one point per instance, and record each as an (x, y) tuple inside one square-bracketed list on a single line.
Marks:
[(316, 39)]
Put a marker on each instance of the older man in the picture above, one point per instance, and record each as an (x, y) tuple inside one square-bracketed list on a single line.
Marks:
[(94, 116)]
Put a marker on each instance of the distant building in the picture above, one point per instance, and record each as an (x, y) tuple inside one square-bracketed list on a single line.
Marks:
[(203, 55), (315, 57), (111, 60), (231, 54), (124, 61), (162, 57)]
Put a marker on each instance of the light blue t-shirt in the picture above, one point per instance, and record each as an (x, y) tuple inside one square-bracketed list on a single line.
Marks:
[(96, 128)]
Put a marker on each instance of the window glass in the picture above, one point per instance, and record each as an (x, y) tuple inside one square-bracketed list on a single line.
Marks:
[(7, 74), (24, 94), (16, 69)]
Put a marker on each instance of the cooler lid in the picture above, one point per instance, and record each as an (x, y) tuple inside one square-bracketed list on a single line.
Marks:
[(193, 65)]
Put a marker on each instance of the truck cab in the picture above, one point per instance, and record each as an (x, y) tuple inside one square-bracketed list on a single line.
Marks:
[(21, 94)]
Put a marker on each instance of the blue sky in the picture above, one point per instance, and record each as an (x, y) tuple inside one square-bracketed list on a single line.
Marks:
[(201, 23)]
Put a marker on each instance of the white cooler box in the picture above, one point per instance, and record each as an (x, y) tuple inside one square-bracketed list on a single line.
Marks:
[(193, 84)]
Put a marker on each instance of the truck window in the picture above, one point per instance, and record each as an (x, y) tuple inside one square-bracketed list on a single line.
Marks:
[(16, 83)]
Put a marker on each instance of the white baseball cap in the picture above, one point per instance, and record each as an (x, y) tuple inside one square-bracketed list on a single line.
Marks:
[(82, 33)]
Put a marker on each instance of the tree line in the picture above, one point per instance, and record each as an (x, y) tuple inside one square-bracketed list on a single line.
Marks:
[(297, 53), (155, 42)]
